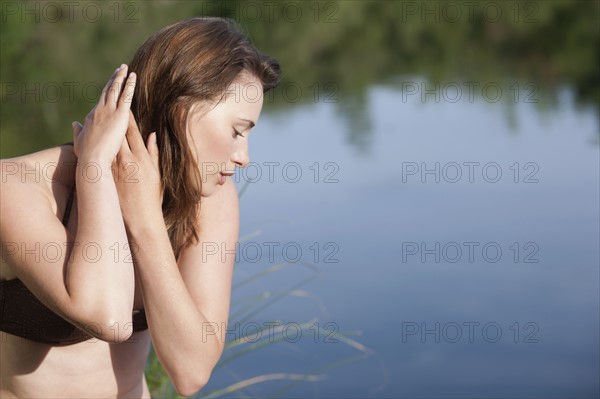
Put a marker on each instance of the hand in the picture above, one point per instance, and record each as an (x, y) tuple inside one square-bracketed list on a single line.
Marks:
[(138, 184), (136, 172), (105, 125)]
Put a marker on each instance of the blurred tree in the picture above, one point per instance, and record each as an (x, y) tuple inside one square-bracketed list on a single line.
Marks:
[(54, 59)]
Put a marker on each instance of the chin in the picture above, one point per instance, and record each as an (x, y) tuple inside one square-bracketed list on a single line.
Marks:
[(209, 190), (206, 193)]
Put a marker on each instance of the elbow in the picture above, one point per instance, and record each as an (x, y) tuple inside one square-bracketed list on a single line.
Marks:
[(117, 331), (190, 385), (189, 380), (108, 328), (107, 321)]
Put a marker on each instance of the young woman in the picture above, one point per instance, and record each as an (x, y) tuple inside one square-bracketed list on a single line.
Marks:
[(109, 250)]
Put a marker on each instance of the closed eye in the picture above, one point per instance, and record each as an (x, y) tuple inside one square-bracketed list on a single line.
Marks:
[(238, 133)]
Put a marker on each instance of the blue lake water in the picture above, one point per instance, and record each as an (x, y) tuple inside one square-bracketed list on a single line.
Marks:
[(406, 241), (458, 242)]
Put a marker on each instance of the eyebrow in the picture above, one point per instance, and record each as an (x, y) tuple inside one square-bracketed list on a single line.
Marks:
[(249, 122)]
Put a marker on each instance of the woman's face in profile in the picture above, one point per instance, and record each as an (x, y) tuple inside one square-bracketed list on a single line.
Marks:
[(218, 134)]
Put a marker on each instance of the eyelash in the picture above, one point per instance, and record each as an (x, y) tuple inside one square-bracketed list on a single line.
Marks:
[(238, 133)]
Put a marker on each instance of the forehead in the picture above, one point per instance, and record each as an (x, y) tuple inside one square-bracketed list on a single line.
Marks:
[(243, 98), (246, 88)]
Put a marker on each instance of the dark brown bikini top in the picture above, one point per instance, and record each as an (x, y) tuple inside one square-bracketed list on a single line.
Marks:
[(23, 315)]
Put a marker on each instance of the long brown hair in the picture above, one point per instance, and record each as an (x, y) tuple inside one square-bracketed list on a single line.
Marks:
[(192, 60)]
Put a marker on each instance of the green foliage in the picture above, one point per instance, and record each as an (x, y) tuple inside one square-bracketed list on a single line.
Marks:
[(335, 51)]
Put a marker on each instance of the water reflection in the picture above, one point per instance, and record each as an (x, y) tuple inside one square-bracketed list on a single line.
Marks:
[(524, 299), (331, 52), (373, 87)]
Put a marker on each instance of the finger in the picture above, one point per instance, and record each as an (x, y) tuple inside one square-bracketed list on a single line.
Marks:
[(133, 135), (102, 99), (121, 159), (77, 128), (125, 150), (127, 96), (112, 96), (153, 149)]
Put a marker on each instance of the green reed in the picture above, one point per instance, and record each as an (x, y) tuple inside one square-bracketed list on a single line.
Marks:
[(241, 311)]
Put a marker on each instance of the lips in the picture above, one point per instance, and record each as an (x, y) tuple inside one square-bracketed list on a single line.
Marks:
[(223, 175)]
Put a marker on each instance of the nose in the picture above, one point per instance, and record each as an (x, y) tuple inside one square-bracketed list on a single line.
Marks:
[(240, 156)]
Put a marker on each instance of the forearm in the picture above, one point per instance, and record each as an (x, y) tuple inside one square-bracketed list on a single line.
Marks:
[(100, 277), (177, 327)]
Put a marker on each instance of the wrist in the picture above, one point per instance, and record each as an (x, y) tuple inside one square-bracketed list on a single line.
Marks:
[(93, 170), (95, 157), (147, 226)]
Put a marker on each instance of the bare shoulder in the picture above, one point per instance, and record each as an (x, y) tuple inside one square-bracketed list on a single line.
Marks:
[(22, 192), (35, 179), (23, 181), (218, 219), (29, 191), (222, 205)]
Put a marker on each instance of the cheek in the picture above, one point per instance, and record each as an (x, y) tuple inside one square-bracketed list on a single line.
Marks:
[(212, 145), (204, 147), (214, 154)]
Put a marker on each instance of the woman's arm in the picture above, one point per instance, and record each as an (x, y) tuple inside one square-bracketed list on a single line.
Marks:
[(86, 285), (100, 276), (187, 305)]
